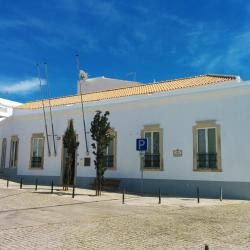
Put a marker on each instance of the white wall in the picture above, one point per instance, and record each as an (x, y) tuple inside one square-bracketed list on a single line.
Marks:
[(102, 83), (175, 114), (1, 141), (6, 108)]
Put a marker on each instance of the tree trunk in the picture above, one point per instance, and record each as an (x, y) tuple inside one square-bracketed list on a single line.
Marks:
[(98, 175), (69, 171), (96, 180), (99, 184)]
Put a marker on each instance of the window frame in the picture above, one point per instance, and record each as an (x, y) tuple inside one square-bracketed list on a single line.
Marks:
[(15, 139), (113, 133), (151, 129), (36, 136), (87, 160), (207, 125), (3, 153)]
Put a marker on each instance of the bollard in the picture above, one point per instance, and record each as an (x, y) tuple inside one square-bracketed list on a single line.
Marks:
[(21, 183), (7, 182), (221, 194), (159, 196), (73, 191), (123, 196), (52, 186), (198, 195), (206, 247), (36, 184)]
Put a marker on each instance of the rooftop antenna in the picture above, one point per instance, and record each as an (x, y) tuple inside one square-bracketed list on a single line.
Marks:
[(50, 109), (82, 75), (44, 115)]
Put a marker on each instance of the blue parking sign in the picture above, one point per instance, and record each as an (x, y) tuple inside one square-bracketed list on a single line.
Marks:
[(141, 144)]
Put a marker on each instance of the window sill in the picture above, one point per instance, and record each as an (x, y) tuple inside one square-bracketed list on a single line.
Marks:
[(153, 169), (35, 168), (207, 170)]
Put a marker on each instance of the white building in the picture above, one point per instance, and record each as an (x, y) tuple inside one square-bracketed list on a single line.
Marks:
[(6, 108), (197, 129), (98, 84)]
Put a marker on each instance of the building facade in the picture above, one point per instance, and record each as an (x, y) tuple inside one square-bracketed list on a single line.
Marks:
[(6, 108), (197, 131)]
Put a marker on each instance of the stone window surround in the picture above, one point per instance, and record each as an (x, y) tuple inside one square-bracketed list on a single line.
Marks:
[(3, 153), (153, 128), (207, 124), (14, 138)]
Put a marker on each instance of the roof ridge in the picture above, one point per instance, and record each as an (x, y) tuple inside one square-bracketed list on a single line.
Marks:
[(189, 77), (163, 81), (222, 76), (176, 79)]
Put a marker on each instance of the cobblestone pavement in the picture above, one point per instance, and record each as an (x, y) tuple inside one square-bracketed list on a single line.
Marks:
[(39, 220)]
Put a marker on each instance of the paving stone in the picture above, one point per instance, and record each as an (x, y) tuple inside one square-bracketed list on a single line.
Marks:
[(40, 220)]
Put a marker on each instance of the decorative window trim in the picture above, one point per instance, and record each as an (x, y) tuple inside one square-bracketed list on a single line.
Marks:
[(13, 139), (153, 128), (113, 133), (203, 125), (34, 136)]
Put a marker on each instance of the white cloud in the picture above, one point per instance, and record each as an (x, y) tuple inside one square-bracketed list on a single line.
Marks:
[(21, 22), (103, 9), (23, 87), (176, 19), (200, 60), (232, 57)]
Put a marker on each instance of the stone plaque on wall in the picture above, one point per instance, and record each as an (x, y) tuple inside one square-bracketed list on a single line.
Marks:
[(177, 152)]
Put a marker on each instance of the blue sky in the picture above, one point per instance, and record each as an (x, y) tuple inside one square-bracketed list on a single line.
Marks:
[(156, 39)]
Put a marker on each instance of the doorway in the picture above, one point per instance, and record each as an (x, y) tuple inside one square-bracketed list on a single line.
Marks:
[(68, 173)]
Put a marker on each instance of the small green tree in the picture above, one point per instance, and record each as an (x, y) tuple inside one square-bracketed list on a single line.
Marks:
[(71, 144), (100, 133)]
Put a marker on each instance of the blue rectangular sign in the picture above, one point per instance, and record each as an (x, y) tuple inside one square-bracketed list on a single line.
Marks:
[(141, 144)]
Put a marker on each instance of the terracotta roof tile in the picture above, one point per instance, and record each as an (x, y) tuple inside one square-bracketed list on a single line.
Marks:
[(142, 89)]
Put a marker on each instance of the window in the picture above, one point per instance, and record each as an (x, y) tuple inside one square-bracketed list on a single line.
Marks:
[(87, 161), (37, 150), (206, 148), (207, 154), (14, 151), (3, 153), (110, 153), (154, 155)]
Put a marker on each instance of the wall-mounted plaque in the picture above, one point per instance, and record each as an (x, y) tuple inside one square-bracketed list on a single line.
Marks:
[(177, 152)]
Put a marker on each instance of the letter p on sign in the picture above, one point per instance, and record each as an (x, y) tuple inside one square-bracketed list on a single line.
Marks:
[(141, 144)]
